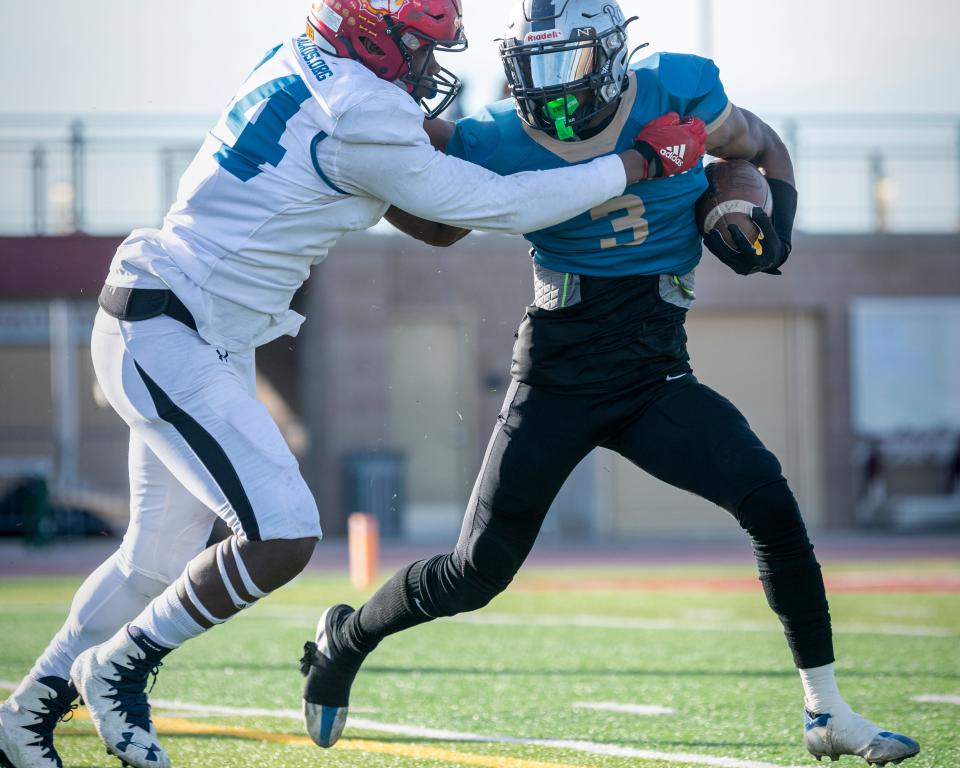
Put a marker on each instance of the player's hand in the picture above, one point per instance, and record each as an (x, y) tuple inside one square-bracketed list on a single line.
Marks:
[(769, 253), (671, 145), (776, 235)]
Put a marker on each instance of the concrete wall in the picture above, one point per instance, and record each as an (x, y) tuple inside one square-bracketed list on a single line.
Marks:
[(380, 302)]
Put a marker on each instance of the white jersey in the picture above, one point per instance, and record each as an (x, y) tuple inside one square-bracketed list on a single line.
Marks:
[(314, 146)]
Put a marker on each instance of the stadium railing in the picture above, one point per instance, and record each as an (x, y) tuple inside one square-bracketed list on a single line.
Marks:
[(107, 174)]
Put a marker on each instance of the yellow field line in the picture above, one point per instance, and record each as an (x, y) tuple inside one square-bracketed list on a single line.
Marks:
[(175, 726), (447, 755)]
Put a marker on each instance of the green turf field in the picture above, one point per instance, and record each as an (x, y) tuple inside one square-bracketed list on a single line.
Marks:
[(513, 680)]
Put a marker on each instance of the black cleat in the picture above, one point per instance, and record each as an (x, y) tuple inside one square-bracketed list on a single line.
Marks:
[(330, 672)]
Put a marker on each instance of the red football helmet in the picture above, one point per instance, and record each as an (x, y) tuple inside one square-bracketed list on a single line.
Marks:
[(382, 34)]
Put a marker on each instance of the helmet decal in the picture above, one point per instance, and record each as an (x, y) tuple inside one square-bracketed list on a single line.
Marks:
[(542, 9), (384, 6)]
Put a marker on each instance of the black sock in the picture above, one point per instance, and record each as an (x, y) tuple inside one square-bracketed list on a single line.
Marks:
[(393, 608), (154, 652)]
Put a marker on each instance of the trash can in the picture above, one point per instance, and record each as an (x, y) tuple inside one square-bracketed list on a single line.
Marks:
[(25, 511), (374, 483)]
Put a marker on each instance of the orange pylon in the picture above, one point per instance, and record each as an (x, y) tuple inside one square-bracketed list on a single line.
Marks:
[(364, 543)]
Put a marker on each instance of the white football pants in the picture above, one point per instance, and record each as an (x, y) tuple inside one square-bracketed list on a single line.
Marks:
[(201, 446)]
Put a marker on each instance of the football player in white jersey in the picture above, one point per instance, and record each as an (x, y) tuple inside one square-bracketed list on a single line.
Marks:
[(323, 138)]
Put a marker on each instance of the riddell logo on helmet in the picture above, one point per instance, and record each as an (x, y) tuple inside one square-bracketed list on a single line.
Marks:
[(543, 37)]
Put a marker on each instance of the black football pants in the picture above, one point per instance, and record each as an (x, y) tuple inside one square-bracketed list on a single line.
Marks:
[(679, 431)]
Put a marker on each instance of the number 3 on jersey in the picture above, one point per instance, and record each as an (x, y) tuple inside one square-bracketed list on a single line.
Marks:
[(625, 217), (258, 140)]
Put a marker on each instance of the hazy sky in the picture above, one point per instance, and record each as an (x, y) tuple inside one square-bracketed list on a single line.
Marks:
[(188, 56)]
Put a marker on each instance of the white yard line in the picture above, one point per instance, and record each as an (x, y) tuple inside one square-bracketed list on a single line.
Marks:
[(937, 698), (294, 617), (214, 710), (895, 630), (615, 622), (586, 747), (595, 621), (612, 750), (298, 617), (628, 709)]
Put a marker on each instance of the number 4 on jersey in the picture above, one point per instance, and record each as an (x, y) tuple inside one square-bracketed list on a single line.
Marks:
[(258, 140)]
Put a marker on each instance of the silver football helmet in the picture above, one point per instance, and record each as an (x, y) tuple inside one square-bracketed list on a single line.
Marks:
[(565, 61)]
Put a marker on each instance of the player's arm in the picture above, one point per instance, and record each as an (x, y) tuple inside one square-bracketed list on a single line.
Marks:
[(667, 130), (382, 153), (429, 232), (743, 135), (432, 186)]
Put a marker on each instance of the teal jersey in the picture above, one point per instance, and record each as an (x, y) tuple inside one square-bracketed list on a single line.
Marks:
[(650, 229)]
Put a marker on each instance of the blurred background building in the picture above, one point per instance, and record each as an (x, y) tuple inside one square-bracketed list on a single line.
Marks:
[(848, 366)]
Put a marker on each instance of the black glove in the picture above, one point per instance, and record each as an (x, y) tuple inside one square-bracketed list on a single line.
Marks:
[(776, 236)]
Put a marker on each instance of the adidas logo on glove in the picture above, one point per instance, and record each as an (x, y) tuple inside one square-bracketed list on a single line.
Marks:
[(674, 153)]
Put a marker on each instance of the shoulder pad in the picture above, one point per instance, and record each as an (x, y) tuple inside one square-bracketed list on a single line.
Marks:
[(681, 75), (378, 113), (481, 132)]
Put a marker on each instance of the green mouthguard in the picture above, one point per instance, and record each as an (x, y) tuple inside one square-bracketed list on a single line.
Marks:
[(557, 111)]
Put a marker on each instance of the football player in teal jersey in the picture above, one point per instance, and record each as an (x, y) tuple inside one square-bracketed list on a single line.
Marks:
[(600, 357)]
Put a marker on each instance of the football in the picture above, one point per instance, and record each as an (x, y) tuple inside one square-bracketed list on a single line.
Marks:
[(736, 188)]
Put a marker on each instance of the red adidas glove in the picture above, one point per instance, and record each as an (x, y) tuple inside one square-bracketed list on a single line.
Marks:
[(671, 145)]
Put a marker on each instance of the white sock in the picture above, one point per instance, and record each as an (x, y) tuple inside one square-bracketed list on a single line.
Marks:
[(111, 596), (165, 620), (820, 691)]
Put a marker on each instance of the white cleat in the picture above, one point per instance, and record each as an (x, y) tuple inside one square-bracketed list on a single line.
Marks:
[(847, 733), (27, 720), (112, 679)]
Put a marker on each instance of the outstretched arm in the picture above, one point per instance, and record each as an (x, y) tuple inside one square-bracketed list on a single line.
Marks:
[(429, 232), (667, 130), (379, 151)]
